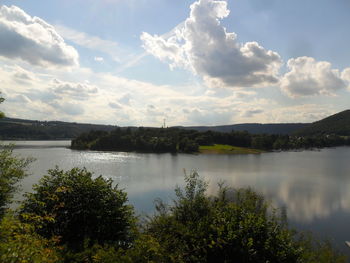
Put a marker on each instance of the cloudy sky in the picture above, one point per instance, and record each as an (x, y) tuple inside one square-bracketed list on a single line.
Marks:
[(205, 62)]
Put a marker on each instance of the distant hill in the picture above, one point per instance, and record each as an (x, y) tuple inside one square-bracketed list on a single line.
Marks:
[(338, 124), (254, 128), (45, 130), (11, 128)]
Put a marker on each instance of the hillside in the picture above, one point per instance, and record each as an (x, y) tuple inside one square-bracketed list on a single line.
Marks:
[(11, 128), (254, 128), (45, 130), (338, 124)]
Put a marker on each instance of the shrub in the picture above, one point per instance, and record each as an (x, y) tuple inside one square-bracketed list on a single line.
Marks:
[(144, 250), (236, 225), (20, 243), (12, 170), (79, 209)]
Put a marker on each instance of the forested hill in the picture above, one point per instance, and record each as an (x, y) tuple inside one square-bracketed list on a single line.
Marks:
[(338, 124), (45, 130), (10, 128), (253, 128)]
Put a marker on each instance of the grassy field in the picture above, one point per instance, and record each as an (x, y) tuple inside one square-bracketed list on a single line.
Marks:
[(227, 149)]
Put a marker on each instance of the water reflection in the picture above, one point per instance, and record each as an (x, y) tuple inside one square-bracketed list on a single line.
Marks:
[(307, 201), (312, 185)]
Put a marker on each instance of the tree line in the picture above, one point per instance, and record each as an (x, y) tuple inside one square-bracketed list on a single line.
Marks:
[(173, 140)]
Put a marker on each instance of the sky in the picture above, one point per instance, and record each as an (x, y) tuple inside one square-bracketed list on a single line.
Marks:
[(204, 62)]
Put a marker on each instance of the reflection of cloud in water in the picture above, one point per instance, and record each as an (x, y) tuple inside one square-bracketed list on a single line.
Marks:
[(307, 197), (305, 202), (319, 199)]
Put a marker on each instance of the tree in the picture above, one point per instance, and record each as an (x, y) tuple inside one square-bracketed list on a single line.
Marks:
[(79, 209), (12, 170)]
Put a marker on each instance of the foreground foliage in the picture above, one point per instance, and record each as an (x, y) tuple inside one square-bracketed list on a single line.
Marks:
[(12, 170), (234, 226), (80, 210), (20, 243)]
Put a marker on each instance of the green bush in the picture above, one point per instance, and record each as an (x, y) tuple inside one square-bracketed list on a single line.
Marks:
[(315, 251), (79, 209), (12, 170), (236, 225), (144, 250), (20, 243)]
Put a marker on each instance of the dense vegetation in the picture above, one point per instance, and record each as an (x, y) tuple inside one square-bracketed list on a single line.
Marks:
[(12, 170), (78, 208), (235, 224), (253, 128), (159, 140), (338, 124), (12, 129), (19, 243)]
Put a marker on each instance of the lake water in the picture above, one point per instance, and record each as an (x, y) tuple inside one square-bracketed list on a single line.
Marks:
[(314, 186)]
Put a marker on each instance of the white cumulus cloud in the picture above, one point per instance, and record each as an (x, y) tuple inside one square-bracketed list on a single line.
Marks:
[(204, 46), (77, 91), (33, 40), (308, 77), (346, 76)]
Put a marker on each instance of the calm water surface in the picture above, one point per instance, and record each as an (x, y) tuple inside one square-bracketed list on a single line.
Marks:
[(314, 186)]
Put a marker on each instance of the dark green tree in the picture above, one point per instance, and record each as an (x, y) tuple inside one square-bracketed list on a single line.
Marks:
[(12, 170), (82, 211)]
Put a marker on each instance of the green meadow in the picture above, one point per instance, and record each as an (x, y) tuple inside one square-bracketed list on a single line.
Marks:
[(227, 149)]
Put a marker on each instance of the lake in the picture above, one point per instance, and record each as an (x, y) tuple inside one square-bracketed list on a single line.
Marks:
[(314, 186)]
